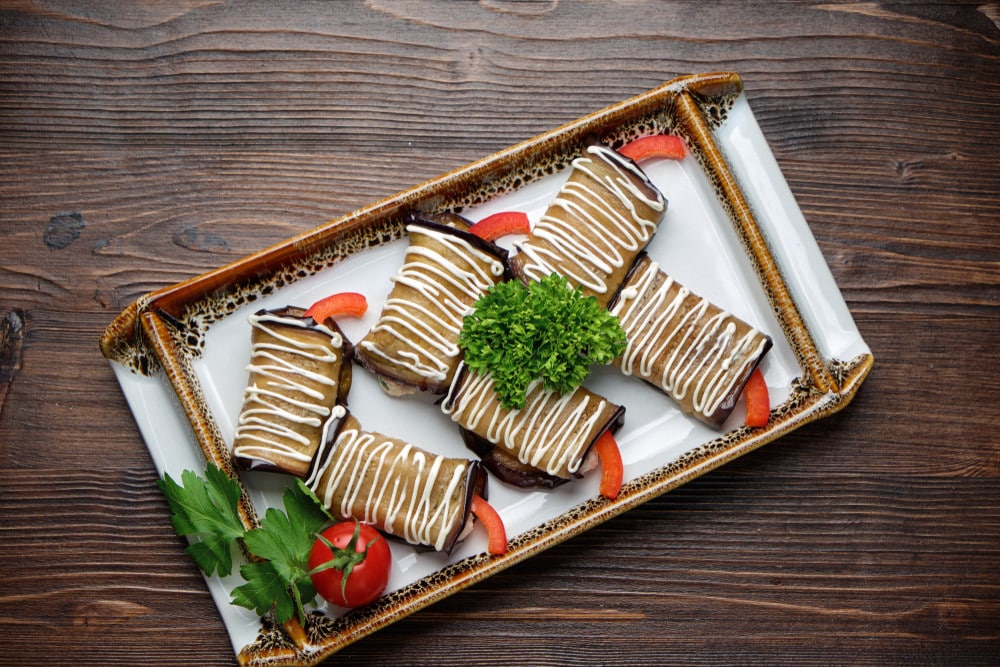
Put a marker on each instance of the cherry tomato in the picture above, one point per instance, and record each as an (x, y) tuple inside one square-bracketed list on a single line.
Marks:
[(356, 570)]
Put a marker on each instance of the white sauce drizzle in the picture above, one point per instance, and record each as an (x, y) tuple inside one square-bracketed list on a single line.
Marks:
[(262, 420), (428, 335), (708, 359), (551, 432), (400, 497), (586, 209)]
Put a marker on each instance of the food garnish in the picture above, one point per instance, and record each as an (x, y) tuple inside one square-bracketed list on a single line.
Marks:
[(207, 508), (284, 540), (349, 564), (341, 304), (493, 523), (758, 402), (544, 330), (501, 224), (668, 146), (612, 468)]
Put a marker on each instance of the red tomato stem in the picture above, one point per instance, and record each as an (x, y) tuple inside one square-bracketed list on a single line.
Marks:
[(495, 529), (612, 468), (758, 402)]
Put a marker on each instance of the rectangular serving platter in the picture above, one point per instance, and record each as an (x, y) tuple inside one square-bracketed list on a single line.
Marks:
[(733, 233)]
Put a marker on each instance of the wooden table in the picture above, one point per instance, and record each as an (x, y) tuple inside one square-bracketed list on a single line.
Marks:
[(144, 143)]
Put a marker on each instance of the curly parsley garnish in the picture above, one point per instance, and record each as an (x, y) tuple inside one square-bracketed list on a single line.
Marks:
[(546, 330)]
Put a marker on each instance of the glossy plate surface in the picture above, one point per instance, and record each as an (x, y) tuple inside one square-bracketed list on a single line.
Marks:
[(732, 233)]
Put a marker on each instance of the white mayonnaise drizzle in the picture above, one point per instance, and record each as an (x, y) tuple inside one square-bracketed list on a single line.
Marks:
[(584, 228), (390, 484), (262, 420), (428, 333), (551, 432), (707, 359)]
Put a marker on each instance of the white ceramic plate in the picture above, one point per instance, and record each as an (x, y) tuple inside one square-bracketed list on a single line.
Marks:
[(732, 233)]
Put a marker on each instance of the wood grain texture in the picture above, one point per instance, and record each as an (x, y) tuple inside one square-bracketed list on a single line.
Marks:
[(143, 143)]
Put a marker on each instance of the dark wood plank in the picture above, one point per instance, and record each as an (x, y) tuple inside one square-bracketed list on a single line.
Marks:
[(144, 143)]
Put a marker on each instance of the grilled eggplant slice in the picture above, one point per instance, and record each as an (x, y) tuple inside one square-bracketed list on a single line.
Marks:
[(601, 219), (420, 497), (299, 376), (414, 344), (692, 350)]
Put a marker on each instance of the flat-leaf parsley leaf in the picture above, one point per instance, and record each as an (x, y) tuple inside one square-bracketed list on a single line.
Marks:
[(208, 508), (546, 330), (284, 539)]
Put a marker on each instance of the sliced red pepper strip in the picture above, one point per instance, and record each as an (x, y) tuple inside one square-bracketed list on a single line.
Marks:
[(612, 468), (757, 400), (500, 224), (494, 525), (657, 145), (341, 304)]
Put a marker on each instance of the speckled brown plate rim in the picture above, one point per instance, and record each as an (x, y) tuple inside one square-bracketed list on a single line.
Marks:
[(164, 330)]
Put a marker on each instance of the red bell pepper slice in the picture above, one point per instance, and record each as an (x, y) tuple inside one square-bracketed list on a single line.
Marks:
[(341, 304), (495, 529), (758, 401), (500, 224), (612, 468), (668, 146)]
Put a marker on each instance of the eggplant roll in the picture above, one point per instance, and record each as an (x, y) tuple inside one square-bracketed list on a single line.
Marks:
[(692, 350), (299, 372), (602, 218), (542, 444), (400, 489), (414, 344)]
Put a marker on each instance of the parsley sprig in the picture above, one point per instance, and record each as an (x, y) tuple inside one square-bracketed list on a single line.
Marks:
[(208, 509), (545, 330)]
